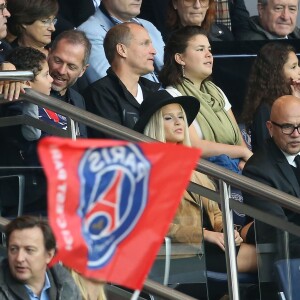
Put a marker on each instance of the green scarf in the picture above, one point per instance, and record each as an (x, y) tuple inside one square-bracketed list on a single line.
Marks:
[(216, 125)]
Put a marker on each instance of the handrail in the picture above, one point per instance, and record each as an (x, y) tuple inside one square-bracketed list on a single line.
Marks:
[(113, 129), (16, 75), (119, 131), (30, 121)]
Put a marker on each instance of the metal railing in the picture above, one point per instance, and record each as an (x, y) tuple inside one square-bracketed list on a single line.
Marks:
[(226, 179)]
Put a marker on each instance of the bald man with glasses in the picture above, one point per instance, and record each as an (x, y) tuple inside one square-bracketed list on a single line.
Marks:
[(277, 162)]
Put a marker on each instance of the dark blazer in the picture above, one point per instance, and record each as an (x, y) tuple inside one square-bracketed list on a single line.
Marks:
[(78, 101), (254, 31), (259, 130), (269, 166)]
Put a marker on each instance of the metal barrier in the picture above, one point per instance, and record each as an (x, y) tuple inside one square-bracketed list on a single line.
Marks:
[(226, 179)]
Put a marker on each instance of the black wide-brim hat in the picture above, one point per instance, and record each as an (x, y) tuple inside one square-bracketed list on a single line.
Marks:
[(155, 101)]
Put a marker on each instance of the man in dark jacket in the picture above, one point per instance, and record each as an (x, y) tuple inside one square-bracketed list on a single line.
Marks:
[(117, 96), (277, 162), (276, 20), (25, 275), (68, 61)]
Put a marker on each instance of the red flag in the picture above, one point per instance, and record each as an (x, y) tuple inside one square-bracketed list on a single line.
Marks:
[(110, 203)]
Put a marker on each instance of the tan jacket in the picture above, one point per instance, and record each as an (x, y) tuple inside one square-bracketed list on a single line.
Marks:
[(187, 224)]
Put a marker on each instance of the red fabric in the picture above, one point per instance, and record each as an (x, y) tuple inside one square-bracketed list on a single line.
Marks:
[(74, 171)]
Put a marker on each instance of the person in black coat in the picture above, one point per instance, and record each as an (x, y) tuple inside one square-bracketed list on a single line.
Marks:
[(275, 163), (118, 95)]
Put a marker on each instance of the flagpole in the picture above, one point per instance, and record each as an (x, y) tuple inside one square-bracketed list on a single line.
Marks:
[(135, 295)]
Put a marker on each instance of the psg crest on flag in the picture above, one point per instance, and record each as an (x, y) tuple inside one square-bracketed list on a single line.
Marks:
[(114, 192), (110, 203)]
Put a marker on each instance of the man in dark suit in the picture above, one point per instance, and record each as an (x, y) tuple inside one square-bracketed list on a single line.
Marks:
[(118, 96), (277, 162)]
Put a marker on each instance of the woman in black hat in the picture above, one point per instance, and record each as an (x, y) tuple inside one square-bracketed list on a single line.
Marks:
[(167, 118)]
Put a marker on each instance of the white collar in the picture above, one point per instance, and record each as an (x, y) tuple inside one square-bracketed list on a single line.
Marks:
[(290, 158)]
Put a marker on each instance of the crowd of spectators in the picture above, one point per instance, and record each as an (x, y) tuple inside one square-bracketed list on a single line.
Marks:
[(109, 57)]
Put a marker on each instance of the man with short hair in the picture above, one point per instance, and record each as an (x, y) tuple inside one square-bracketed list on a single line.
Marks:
[(24, 275), (68, 60), (277, 162), (117, 96), (276, 20), (107, 15)]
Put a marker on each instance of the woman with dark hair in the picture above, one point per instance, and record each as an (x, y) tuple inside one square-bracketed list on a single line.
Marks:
[(187, 67), (32, 22), (200, 13), (275, 72)]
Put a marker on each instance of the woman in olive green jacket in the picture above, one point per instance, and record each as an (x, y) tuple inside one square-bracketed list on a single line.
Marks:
[(167, 118)]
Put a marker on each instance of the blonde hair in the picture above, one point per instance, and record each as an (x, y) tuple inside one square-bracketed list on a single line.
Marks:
[(155, 128), (83, 283)]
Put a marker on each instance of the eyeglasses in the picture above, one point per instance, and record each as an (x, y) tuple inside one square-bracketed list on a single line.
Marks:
[(203, 3), (287, 128), (49, 22), (2, 7)]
